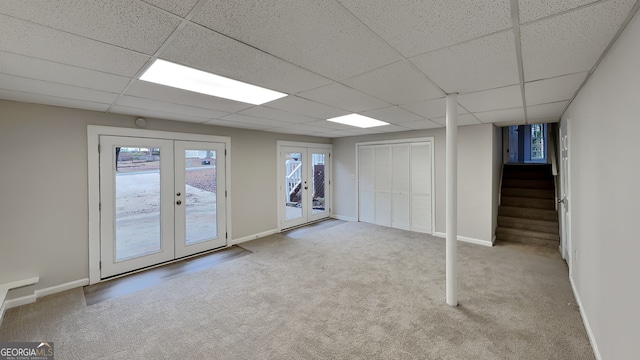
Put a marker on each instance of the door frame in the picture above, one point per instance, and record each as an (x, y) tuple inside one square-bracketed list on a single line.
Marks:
[(565, 192), (93, 179), (429, 139), (280, 176)]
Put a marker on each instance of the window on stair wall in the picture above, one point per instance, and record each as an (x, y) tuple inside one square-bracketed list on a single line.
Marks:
[(538, 142)]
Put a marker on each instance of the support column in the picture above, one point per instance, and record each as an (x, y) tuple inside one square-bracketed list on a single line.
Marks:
[(452, 200)]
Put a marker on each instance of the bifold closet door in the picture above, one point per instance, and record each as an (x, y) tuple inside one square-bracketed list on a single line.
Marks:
[(421, 197), (382, 184), (366, 197), (400, 187)]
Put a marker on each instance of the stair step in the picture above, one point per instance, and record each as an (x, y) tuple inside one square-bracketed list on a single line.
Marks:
[(546, 226), (548, 204), (528, 183), (520, 212), (527, 237), (528, 193)]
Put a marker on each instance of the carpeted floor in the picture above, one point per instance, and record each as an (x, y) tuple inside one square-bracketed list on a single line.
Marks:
[(351, 291)]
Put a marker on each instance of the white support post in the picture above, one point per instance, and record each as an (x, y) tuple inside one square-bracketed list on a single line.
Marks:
[(452, 200)]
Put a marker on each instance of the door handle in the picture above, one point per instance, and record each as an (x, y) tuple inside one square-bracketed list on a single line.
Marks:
[(179, 202)]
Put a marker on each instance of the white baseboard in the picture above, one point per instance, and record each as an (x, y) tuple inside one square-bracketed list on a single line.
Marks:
[(253, 237), (344, 218), (24, 300), (466, 239), (4, 290), (585, 320)]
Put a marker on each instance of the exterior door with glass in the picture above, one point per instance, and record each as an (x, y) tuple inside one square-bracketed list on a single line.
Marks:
[(160, 200), (304, 190)]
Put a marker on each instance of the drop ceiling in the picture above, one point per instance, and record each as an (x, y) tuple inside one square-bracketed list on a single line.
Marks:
[(511, 61)]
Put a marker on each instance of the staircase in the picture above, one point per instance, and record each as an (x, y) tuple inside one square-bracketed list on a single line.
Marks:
[(527, 206)]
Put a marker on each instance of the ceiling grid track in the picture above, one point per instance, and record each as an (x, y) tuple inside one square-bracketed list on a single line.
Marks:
[(515, 18)]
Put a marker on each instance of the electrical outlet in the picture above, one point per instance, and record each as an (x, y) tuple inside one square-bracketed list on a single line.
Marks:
[(575, 256)]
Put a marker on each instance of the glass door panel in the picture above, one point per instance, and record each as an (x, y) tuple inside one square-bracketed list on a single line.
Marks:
[(135, 192), (319, 183), (199, 202)]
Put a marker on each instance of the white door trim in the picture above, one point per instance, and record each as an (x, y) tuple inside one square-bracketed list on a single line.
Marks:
[(93, 179), (430, 139)]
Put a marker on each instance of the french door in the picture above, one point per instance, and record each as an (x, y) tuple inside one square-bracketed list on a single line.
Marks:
[(160, 200), (304, 188)]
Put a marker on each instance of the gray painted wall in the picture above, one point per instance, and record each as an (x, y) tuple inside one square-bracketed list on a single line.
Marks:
[(476, 188), (604, 173), (43, 187)]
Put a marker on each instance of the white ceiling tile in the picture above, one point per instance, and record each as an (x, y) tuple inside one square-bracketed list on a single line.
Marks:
[(343, 97), (546, 112), (484, 63), (17, 83), (335, 134), (235, 124), (415, 27), (301, 129), (24, 38), (274, 114), (431, 109), (397, 83), (130, 24), (163, 106), (495, 99), (206, 50), (266, 123), (554, 89), (33, 68), (51, 100), (384, 129), (306, 107), (149, 90), (125, 110), (178, 7), (421, 124), (571, 42), (507, 115), (318, 35), (463, 120), (531, 10), (333, 126), (393, 114)]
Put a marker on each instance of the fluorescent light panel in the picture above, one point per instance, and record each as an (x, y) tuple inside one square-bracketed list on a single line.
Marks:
[(182, 77), (358, 121)]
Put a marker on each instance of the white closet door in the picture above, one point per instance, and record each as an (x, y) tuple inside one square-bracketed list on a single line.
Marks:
[(365, 184), (421, 187), (382, 176), (400, 187)]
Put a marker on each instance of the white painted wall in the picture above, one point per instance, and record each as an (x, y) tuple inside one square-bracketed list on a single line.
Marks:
[(605, 198), (475, 175), (43, 187)]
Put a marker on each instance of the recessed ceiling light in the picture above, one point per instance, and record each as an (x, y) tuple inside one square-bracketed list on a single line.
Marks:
[(358, 120), (182, 77)]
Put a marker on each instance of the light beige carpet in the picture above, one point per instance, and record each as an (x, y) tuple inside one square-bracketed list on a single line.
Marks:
[(352, 291)]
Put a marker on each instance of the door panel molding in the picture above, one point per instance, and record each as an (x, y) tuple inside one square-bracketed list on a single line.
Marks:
[(93, 179)]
